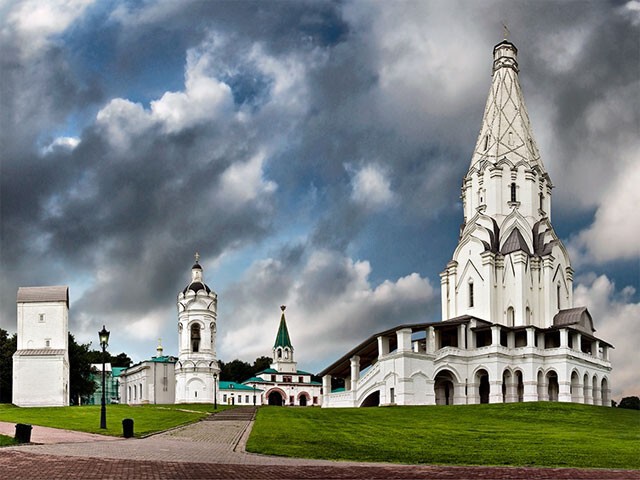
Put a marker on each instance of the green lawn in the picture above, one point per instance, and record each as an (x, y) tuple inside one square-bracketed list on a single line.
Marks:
[(147, 418), (7, 441), (519, 434)]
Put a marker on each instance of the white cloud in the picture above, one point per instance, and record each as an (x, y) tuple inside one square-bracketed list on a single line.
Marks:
[(331, 306), (35, 21), (243, 182), (371, 188), (617, 321), (203, 99), (67, 143), (613, 235)]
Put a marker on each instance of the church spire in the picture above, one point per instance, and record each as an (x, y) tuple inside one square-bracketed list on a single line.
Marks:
[(506, 129), (282, 338)]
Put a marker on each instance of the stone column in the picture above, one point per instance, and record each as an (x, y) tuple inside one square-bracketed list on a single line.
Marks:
[(564, 338), (404, 339), (495, 390), (495, 335), (355, 372), (462, 336), (595, 349), (326, 390), (383, 346), (431, 340), (531, 336), (577, 342)]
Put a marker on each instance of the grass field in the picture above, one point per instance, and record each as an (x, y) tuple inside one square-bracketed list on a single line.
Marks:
[(147, 418), (519, 434)]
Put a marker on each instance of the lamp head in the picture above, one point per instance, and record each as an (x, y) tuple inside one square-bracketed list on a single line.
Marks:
[(104, 337)]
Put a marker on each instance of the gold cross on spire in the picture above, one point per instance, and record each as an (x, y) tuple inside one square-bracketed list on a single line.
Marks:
[(197, 255), (505, 31)]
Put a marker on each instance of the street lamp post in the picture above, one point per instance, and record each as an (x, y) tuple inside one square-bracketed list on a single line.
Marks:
[(104, 341), (254, 394), (215, 391)]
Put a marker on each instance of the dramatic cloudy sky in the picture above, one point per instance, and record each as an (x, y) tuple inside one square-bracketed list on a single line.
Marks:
[(312, 152)]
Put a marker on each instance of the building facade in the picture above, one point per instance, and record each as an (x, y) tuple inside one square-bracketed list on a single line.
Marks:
[(197, 367), (283, 384), (152, 381), (111, 384), (43, 346), (510, 331)]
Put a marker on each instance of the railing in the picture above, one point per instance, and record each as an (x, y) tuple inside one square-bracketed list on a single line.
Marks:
[(370, 374)]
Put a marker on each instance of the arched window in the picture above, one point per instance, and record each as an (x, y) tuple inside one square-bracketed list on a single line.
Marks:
[(513, 191), (286, 353), (471, 299), (510, 317), (486, 141), (195, 338), (279, 353), (528, 315), (541, 201), (558, 296)]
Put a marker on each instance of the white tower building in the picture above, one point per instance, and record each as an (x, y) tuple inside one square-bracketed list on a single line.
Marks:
[(41, 361), (197, 367)]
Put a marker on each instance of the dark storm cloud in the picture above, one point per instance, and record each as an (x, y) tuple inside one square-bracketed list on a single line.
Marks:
[(322, 91)]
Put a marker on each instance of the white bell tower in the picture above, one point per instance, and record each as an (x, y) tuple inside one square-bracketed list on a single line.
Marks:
[(197, 367)]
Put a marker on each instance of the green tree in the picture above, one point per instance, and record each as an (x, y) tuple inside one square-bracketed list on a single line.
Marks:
[(632, 403), (235, 371), (80, 382), (120, 360), (8, 346), (260, 364)]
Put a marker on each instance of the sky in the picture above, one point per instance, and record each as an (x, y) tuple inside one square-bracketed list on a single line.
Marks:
[(312, 152)]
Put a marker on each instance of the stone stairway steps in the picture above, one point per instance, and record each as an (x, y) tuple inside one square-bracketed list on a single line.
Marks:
[(239, 414)]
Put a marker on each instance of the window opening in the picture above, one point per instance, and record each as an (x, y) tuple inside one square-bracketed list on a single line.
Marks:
[(195, 338), (471, 299), (513, 192)]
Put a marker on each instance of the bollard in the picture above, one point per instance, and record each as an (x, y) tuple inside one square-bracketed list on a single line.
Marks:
[(23, 433), (127, 428)]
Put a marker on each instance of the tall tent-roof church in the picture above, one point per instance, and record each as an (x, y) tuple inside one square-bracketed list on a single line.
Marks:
[(509, 331)]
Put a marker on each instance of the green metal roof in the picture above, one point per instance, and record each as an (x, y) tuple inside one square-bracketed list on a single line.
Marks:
[(282, 338), (235, 386), (116, 371)]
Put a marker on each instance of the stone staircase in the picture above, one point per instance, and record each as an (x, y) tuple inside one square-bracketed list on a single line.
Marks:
[(238, 414)]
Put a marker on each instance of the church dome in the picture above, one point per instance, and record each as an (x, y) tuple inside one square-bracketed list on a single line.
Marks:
[(196, 287), (197, 282)]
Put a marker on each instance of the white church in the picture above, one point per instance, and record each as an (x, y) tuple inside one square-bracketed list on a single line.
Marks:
[(509, 329)]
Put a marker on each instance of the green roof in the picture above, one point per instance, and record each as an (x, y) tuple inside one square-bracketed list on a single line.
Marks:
[(337, 390), (116, 371), (282, 338), (271, 370), (234, 386)]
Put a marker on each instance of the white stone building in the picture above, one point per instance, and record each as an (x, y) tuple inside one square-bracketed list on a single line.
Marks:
[(152, 381), (283, 383), (233, 393), (510, 331), (197, 366), (43, 346)]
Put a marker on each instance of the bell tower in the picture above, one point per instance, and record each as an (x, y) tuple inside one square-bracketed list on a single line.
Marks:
[(197, 367)]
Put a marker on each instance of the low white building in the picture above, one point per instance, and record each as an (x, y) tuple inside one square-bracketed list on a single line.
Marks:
[(283, 383), (41, 361), (510, 331), (232, 393), (152, 381)]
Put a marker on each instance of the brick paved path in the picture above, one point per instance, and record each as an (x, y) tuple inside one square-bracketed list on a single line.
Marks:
[(215, 450)]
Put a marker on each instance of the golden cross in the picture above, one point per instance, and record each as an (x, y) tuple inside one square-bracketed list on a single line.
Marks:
[(197, 255), (505, 31)]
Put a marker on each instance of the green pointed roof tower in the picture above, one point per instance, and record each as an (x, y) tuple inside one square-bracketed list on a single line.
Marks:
[(282, 338), (282, 349)]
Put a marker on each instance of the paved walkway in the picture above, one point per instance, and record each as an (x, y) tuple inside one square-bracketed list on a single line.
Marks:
[(215, 450)]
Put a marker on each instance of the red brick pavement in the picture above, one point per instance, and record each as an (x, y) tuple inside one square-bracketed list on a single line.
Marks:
[(17, 465)]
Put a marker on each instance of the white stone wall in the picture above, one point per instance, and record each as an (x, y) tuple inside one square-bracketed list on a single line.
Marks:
[(149, 382), (40, 381)]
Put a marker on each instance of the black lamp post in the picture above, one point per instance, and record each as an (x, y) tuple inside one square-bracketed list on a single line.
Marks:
[(104, 341), (254, 394), (215, 391)]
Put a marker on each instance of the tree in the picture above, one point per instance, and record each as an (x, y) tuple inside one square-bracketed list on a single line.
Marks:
[(120, 360), (632, 403), (8, 346), (235, 371), (80, 382), (260, 364)]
